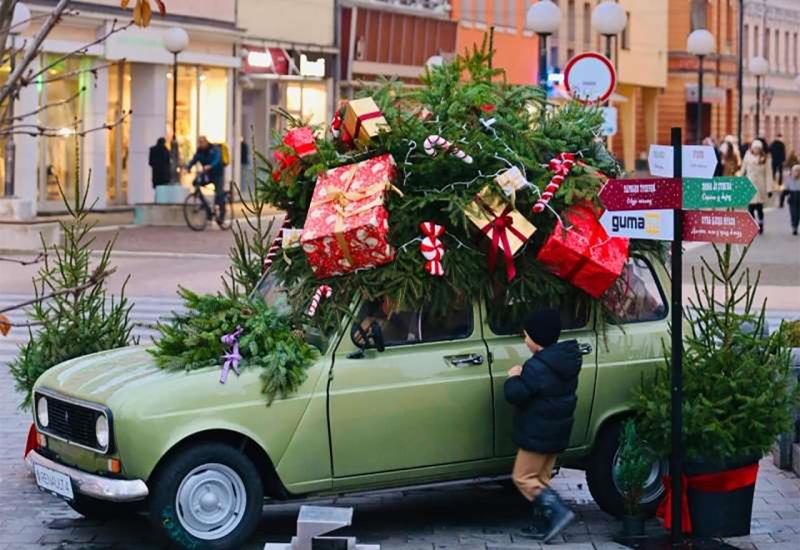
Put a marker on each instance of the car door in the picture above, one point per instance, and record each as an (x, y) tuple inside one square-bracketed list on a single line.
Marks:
[(503, 332), (424, 401)]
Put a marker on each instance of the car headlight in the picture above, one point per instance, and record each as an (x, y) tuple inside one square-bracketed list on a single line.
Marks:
[(101, 430), (41, 412)]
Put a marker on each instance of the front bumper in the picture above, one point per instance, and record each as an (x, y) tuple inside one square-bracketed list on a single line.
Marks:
[(101, 488)]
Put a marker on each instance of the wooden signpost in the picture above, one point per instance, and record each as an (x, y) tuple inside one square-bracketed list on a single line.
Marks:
[(637, 209)]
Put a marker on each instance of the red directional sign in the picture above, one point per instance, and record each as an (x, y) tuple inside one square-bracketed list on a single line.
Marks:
[(643, 194), (715, 226)]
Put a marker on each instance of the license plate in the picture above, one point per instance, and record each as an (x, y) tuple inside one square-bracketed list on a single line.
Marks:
[(53, 482)]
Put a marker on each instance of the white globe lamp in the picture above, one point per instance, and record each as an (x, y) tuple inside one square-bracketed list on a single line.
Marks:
[(434, 61), (759, 66), (700, 42), (176, 39), (543, 17), (609, 18)]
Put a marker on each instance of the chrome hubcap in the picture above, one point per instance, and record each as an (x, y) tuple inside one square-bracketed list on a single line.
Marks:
[(211, 501), (653, 488)]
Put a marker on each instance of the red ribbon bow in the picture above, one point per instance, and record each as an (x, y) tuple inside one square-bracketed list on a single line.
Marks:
[(561, 166), (717, 482), (500, 226), (432, 248)]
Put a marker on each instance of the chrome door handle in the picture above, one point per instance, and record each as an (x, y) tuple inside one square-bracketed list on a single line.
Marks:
[(586, 349), (464, 360)]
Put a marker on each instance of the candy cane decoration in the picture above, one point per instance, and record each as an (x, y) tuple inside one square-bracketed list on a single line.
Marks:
[(324, 291), (561, 165), (276, 244), (432, 248), (434, 142)]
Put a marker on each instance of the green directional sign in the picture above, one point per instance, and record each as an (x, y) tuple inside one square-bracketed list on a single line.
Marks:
[(720, 192)]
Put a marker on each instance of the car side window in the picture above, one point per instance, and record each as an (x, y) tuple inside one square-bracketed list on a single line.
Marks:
[(507, 318), (411, 327), (636, 297)]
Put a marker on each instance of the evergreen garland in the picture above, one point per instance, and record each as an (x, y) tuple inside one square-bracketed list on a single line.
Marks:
[(457, 97)]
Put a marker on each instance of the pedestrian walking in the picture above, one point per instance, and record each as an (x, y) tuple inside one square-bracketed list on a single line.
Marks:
[(160, 162), (777, 150), (543, 392), (730, 160), (756, 167), (793, 191)]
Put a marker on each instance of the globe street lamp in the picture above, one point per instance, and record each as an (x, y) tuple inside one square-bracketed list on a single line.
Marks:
[(175, 40), (543, 18), (609, 19), (759, 67), (20, 20), (701, 44)]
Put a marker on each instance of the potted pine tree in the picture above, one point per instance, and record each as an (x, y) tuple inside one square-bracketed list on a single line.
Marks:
[(738, 396), (632, 469)]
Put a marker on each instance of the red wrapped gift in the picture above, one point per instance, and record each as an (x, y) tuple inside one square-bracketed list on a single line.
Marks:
[(284, 162), (347, 224), (584, 255), (301, 140)]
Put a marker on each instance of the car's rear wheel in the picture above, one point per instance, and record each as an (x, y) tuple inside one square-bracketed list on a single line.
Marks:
[(601, 477), (207, 497), (91, 508)]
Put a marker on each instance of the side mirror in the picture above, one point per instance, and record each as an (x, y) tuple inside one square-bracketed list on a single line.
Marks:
[(376, 334)]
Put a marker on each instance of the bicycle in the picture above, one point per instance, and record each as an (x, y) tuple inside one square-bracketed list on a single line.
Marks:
[(198, 212)]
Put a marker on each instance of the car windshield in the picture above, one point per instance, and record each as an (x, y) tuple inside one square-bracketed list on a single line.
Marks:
[(274, 293)]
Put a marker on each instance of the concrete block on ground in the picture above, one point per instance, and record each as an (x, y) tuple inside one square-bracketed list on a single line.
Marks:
[(12, 208), (171, 194), (29, 235), (159, 214)]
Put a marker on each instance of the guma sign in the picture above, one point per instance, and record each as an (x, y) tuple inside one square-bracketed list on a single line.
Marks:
[(640, 224)]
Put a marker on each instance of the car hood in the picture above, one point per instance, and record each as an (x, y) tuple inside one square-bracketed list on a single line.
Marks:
[(101, 376)]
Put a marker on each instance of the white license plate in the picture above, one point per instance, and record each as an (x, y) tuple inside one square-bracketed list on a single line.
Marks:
[(53, 482)]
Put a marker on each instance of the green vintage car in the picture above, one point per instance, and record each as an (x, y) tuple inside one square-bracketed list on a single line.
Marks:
[(422, 404)]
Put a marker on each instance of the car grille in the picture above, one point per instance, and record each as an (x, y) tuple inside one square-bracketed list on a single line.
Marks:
[(72, 422)]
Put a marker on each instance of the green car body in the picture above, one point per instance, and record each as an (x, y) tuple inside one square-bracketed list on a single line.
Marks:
[(401, 417)]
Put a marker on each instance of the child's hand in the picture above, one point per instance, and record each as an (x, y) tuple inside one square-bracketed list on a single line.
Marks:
[(516, 370)]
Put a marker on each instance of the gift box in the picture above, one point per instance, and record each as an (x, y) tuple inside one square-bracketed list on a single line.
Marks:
[(290, 237), (504, 226), (584, 255), (347, 224), (511, 181), (363, 120), (301, 141), (285, 162)]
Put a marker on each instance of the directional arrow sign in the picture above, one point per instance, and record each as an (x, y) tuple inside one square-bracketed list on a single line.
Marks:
[(714, 226), (645, 194), (698, 161), (656, 225), (722, 192)]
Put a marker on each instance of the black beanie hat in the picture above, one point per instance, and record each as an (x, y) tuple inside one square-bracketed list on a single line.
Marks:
[(543, 326)]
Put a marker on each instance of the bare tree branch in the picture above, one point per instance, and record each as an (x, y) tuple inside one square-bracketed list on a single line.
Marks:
[(39, 257), (33, 50), (34, 130), (76, 72), (59, 103), (94, 280)]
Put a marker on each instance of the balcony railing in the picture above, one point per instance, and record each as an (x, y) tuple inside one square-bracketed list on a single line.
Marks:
[(437, 7)]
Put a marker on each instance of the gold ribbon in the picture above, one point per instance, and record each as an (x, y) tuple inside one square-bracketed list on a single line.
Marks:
[(342, 197)]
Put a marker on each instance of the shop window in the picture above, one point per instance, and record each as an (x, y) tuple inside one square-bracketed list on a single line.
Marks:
[(119, 102), (636, 297), (507, 318), (307, 101), (62, 91), (413, 327)]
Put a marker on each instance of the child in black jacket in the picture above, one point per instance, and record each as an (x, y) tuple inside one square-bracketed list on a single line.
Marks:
[(543, 392)]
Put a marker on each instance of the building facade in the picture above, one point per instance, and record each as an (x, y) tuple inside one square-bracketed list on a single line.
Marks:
[(771, 30), (679, 102), (123, 82)]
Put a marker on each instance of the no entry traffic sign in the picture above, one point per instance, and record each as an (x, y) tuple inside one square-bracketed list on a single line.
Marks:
[(590, 77), (655, 225), (642, 194), (720, 192), (715, 226)]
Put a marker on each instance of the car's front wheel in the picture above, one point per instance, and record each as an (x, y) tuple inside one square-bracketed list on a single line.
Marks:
[(601, 476), (206, 497)]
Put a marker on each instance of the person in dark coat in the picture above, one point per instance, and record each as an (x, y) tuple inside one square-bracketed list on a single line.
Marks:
[(777, 151), (160, 162), (544, 394)]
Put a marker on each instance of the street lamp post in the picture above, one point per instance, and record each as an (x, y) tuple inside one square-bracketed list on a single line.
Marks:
[(20, 20), (609, 19), (701, 44), (175, 40), (759, 67), (543, 18)]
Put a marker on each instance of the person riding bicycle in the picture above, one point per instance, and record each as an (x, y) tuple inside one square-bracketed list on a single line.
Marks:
[(209, 157)]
